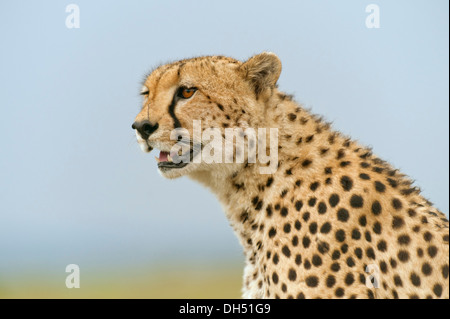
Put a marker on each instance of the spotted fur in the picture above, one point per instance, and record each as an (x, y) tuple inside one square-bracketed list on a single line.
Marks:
[(331, 209)]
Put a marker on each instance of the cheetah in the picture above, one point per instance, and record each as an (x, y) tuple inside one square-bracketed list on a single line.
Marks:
[(332, 221)]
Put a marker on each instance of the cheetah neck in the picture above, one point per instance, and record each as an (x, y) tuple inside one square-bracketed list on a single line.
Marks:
[(301, 136)]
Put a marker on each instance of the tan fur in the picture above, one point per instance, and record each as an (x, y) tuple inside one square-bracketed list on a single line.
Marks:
[(409, 243)]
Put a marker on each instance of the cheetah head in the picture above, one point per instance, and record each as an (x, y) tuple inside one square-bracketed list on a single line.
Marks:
[(181, 100)]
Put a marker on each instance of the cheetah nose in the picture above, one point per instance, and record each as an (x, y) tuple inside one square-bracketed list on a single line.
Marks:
[(145, 128)]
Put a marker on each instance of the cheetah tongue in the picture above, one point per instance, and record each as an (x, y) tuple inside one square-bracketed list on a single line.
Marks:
[(163, 157)]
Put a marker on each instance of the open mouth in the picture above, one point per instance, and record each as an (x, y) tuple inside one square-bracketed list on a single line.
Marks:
[(167, 161)]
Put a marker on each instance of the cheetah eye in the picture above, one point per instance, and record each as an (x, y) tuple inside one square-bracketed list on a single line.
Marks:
[(144, 91), (186, 93)]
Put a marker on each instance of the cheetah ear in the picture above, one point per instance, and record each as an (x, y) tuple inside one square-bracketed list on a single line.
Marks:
[(262, 71)]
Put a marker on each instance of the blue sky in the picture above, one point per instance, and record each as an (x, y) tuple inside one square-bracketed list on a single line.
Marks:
[(75, 188)]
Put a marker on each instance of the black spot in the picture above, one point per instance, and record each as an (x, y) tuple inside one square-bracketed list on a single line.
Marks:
[(316, 260), (306, 216), (220, 106), (393, 263), (342, 215), (312, 201), (403, 256), (269, 181), (340, 235), (297, 225), (415, 280), (269, 210), (284, 212), (344, 163), (244, 216), (347, 183), (427, 269), (427, 236), (358, 252), (292, 117), (331, 281), (334, 200), (362, 221), (370, 253), (307, 264), (398, 281), (298, 183), (368, 236), (298, 205), (380, 187), (322, 208), (392, 182), (432, 251), (301, 296), (376, 208), (286, 251), (364, 176), (412, 213), (289, 172), (312, 281), (314, 186), (339, 292), (340, 154), (445, 271), (309, 138), (383, 267), (344, 248), (378, 169), (287, 228), (292, 275), (306, 241), (397, 204), (382, 245), (298, 259), (420, 252), (336, 255), (350, 262), (328, 170), (356, 234), (437, 289), (275, 259), (356, 201), (325, 229), (349, 279), (335, 267), (313, 228), (294, 241), (306, 163), (272, 232), (323, 247), (364, 165), (377, 228), (283, 193), (404, 240), (259, 205), (275, 278), (397, 222)]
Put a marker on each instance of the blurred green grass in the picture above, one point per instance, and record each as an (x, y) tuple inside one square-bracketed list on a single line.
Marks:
[(161, 282)]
